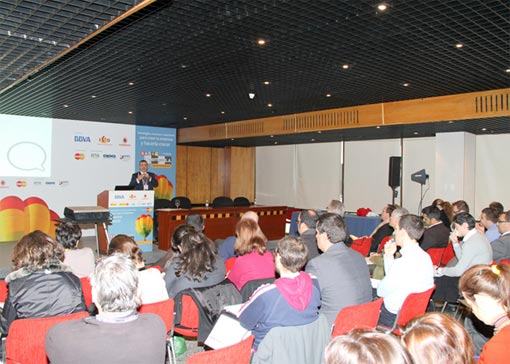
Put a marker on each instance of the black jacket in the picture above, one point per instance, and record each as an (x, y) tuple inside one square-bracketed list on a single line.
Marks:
[(42, 293)]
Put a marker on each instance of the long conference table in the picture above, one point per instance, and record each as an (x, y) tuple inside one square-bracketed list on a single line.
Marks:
[(221, 222)]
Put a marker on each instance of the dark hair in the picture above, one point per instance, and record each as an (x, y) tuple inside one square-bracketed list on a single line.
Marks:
[(68, 233), (493, 281), (491, 214), (309, 218), (498, 206), (179, 233), (126, 245), (507, 215), (249, 238), (461, 205), (37, 250), (143, 161), (390, 208), (412, 225), (196, 258), (334, 227), (463, 217), (196, 220), (432, 212), (293, 253), (435, 338)]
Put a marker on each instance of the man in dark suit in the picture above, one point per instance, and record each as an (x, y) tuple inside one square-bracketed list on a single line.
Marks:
[(436, 234), (143, 180), (342, 272), (307, 220)]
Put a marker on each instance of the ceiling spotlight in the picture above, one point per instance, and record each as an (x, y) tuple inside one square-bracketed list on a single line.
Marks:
[(459, 45), (484, 129), (223, 112), (271, 136), (378, 127), (93, 96), (130, 112), (328, 95), (382, 7), (415, 133), (345, 66), (269, 105), (319, 132), (266, 82), (185, 118), (406, 84), (313, 140), (251, 95), (507, 70), (261, 41), (131, 83), (66, 105), (207, 95)]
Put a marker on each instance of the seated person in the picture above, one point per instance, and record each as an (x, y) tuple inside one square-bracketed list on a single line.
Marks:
[(336, 207), (501, 246), (226, 249), (488, 224), (436, 235), (411, 273), (118, 334), (179, 233), (486, 290), (367, 347), (81, 261), (383, 229), (307, 219), (445, 209), (342, 273), (435, 338), (40, 284), (195, 264), (253, 260), (292, 300), (151, 285)]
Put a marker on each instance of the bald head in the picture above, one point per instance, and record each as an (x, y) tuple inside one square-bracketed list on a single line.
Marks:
[(250, 215)]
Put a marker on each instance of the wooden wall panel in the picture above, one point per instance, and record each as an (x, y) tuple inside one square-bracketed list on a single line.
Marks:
[(242, 172), (218, 173), (181, 167), (198, 174)]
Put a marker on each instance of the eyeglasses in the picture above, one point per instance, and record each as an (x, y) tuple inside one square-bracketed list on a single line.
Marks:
[(501, 221)]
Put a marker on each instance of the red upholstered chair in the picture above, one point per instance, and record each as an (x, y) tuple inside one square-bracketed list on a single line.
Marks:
[(414, 305), (383, 243), (188, 326), (362, 245), (229, 264), (3, 291), (239, 353), (364, 315), (449, 253), (25, 342), (165, 310), (87, 290), (436, 254)]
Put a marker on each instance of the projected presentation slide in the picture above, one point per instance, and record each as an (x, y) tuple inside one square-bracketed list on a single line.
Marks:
[(25, 146)]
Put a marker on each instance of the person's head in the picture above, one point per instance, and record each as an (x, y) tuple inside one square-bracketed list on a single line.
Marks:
[(68, 234), (435, 338), (431, 215), (366, 347), (330, 229), (143, 165), (336, 207), (498, 206), (488, 217), (36, 251), (124, 244), (307, 219), (463, 223), (179, 233), (250, 215), (504, 222), (249, 238), (460, 206), (115, 284), (196, 220), (396, 215), (291, 254), (486, 289), (196, 256), (386, 212), (410, 229)]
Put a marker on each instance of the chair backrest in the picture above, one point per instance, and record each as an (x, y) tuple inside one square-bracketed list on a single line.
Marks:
[(436, 254), (362, 245), (26, 339), (383, 243), (222, 201), (449, 253), (294, 344), (251, 286), (229, 264), (162, 203), (164, 309), (3, 291), (364, 315), (414, 305), (184, 202), (86, 287), (239, 353), (241, 201), (189, 319)]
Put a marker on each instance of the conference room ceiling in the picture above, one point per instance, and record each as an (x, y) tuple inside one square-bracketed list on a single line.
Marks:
[(186, 63)]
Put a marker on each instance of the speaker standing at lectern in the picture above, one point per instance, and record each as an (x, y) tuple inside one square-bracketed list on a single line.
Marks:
[(143, 180)]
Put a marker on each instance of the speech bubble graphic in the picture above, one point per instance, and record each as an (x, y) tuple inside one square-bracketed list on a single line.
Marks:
[(27, 156)]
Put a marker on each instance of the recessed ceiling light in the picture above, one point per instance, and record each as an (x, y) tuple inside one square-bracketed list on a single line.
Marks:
[(185, 118), (207, 95), (271, 136), (507, 70), (232, 139), (378, 127), (313, 140), (261, 41), (345, 66), (319, 132), (183, 66), (415, 133), (93, 96), (66, 105), (131, 83), (130, 112), (328, 95), (223, 112), (382, 7), (459, 45), (269, 105), (251, 95), (406, 84), (276, 142), (484, 129), (451, 122), (266, 82)]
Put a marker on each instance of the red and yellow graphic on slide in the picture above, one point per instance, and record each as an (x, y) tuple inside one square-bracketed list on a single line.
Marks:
[(18, 217), (144, 225), (79, 156), (164, 189)]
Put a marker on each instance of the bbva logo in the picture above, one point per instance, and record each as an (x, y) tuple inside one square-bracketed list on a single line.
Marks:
[(82, 139)]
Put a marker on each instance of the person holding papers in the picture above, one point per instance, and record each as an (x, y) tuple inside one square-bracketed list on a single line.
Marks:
[(292, 300), (143, 179)]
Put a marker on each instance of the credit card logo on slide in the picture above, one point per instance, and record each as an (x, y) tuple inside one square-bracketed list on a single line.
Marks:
[(79, 156)]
